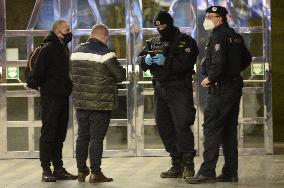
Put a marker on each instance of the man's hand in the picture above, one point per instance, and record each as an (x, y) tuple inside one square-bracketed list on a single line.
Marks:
[(159, 59), (148, 59), (205, 82)]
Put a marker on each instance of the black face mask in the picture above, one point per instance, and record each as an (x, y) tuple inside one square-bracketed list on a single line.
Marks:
[(67, 37), (167, 33)]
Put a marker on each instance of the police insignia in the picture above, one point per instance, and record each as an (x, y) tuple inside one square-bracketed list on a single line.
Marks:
[(187, 50), (217, 47), (158, 22), (214, 9)]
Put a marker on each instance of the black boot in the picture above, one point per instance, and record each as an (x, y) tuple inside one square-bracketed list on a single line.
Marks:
[(62, 174), (225, 178), (188, 166), (47, 176), (199, 178), (176, 169)]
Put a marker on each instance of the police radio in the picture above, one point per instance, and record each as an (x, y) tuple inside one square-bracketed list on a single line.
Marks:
[(157, 48)]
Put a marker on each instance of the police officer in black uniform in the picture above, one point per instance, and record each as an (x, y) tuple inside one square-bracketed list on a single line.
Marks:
[(226, 57), (171, 65)]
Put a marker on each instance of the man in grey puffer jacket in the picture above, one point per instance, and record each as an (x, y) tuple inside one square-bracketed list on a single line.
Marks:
[(95, 72)]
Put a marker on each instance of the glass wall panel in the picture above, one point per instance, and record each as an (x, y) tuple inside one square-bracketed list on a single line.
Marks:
[(47, 14), (17, 109), (85, 17), (253, 105), (148, 106), (254, 42), (253, 136), (18, 14), (18, 46), (116, 138), (37, 109), (243, 13), (17, 139), (112, 13), (120, 110), (36, 137), (152, 138)]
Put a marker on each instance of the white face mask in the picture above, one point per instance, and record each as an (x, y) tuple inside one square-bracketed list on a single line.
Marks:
[(208, 24)]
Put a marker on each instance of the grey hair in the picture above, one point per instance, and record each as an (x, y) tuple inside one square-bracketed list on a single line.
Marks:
[(57, 24)]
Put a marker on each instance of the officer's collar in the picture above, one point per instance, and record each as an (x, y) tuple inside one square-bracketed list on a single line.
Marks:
[(224, 24), (174, 35)]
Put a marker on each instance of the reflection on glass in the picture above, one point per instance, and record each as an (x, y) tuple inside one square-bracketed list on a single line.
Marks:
[(85, 17), (253, 105), (116, 138), (20, 43), (17, 139), (120, 109), (152, 138), (17, 109), (118, 44), (18, 14), (37, 109), (148, 107), (110, 10), (150, 9), (253, 136), (36, 138), (46, 14), (243, 13), (254, 42)]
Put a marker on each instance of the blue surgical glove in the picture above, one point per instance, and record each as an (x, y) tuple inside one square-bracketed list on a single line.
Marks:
[(148, 59), (159, 59)]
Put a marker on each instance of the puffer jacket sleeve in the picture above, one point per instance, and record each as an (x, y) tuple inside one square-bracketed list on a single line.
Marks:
[(115, 68)]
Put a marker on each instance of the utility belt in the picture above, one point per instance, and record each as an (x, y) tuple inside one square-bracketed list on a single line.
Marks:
[(215, 88), (171, 83)]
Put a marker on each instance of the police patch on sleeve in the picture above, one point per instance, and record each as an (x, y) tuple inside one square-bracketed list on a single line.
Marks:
[(187, 50), (217, 47)]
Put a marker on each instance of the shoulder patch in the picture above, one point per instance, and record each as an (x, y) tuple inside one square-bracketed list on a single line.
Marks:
[(187, 50), (217, 47)]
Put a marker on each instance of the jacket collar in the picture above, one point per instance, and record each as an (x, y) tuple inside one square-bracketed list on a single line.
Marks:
[(94, 40), (52, 37), (220, 27)]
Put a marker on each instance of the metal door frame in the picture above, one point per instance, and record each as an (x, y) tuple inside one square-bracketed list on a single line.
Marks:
[(134, 92)]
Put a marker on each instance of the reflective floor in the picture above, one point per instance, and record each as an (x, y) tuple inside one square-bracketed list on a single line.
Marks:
[(143, 172)]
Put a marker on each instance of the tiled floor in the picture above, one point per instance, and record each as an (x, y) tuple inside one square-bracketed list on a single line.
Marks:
[(143, 172)]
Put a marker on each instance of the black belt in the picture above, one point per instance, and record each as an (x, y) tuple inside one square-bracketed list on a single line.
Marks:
[(170, 83)]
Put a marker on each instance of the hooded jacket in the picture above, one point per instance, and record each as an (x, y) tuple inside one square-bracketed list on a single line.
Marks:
[(51, 69)]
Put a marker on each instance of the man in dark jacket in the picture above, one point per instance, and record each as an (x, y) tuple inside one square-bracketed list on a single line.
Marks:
[(95, 72), (226, 57), (172, 68), (51, 72)]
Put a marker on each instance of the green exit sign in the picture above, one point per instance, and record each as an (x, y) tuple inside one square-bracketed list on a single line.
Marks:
[(12, 73), (257, 69)]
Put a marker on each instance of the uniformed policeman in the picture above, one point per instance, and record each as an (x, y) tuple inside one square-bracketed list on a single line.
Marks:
[(226, 57), (171, 63)]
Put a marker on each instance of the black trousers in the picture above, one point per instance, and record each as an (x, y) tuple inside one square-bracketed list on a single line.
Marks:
[(92, 129), (220, 128), (174, 114), (55, 116)]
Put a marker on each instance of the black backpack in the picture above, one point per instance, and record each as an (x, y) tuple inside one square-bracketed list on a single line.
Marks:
[(31, 82)]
